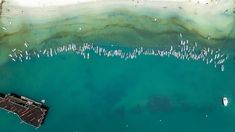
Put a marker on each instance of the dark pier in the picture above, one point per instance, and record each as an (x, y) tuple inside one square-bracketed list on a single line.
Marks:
[(29, 111)]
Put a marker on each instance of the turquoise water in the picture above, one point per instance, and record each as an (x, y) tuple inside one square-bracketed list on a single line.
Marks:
[(147, 94)]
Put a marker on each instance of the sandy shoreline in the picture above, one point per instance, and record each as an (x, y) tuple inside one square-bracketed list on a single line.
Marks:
[(214, 19), (92, 20)]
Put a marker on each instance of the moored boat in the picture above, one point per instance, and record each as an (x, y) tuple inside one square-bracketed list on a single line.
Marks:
[(225, 101)]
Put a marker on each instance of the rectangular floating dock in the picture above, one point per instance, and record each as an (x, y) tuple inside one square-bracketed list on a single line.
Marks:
[(29, 111)]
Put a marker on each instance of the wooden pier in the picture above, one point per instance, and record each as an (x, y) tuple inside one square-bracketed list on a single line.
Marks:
[(29, 111)]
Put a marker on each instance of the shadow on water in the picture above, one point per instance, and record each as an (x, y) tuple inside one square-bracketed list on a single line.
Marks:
[(158, 103)]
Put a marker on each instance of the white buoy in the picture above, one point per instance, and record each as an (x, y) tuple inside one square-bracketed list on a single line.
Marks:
[(225, 101)]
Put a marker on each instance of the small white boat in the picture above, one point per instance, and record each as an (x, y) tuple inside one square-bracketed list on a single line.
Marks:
[(43, 101), (26, 44), (222, 67), (225, 101), (4, 28)]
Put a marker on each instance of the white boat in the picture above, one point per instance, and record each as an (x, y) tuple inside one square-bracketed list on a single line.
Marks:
[(26, 44), (225, 101), (222, 67), (43, 101)]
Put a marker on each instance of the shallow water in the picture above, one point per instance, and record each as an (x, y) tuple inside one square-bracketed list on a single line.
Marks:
[(149, 93)]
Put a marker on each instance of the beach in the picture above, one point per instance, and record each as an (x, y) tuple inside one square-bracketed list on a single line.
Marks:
[(145, 22), (191, 15)]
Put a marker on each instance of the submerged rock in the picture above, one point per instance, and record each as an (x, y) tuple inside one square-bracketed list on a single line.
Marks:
[(159, 104)]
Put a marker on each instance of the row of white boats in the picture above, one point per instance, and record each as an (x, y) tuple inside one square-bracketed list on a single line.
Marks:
[(184, 51)]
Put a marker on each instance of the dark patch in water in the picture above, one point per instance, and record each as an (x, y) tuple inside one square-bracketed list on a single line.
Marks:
[(158, 104), (120, 112), (137, 109)]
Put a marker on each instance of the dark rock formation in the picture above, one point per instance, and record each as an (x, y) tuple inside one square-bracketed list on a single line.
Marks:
[(158, 104)]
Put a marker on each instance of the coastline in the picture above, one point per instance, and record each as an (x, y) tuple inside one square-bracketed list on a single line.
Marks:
[(191, 16), (145, 23)]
